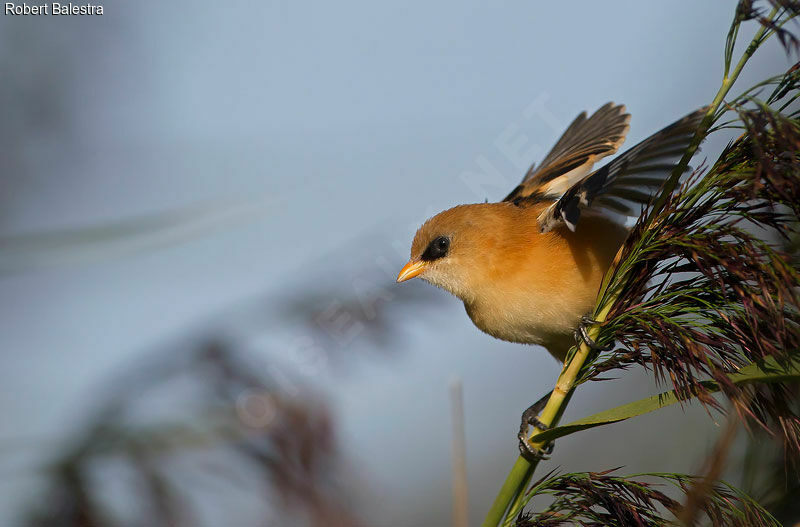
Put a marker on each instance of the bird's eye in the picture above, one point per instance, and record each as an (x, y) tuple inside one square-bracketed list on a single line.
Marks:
[(436, 249)]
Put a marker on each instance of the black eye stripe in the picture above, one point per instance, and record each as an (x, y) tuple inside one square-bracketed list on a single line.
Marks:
[(436, 249)]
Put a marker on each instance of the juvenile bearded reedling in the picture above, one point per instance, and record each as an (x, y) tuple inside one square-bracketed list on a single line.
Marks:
[(526, 268)]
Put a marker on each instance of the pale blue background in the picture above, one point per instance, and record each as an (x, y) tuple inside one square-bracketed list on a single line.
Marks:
[(337, 127)]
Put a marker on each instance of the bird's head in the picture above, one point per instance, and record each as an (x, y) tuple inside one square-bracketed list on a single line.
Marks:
[(447, 249)]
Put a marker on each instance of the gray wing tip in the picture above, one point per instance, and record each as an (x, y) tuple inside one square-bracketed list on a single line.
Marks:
[(612, 107)]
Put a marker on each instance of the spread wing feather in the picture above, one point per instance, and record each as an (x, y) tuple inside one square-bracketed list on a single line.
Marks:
[(630, 179), (583, 143)]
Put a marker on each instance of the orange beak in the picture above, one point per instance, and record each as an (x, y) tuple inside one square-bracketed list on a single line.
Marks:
[(410, 270)]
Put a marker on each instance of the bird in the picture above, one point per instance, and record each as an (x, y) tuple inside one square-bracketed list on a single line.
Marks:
[(528, 268)]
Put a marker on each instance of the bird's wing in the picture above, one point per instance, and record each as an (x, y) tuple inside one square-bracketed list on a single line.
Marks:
[(630, 179), (583, 143)]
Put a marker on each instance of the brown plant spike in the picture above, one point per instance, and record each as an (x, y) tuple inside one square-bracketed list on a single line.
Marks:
[(700, 291)]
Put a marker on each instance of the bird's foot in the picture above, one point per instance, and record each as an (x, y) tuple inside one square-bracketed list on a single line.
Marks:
[(581, 334), (530, 417)]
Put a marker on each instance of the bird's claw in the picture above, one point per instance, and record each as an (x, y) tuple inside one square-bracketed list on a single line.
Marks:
[(528, 451), (587, 320), (530, 417), (582, 335)]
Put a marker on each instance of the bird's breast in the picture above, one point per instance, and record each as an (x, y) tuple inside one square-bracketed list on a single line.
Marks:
[(536, 292), (528, 319)]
